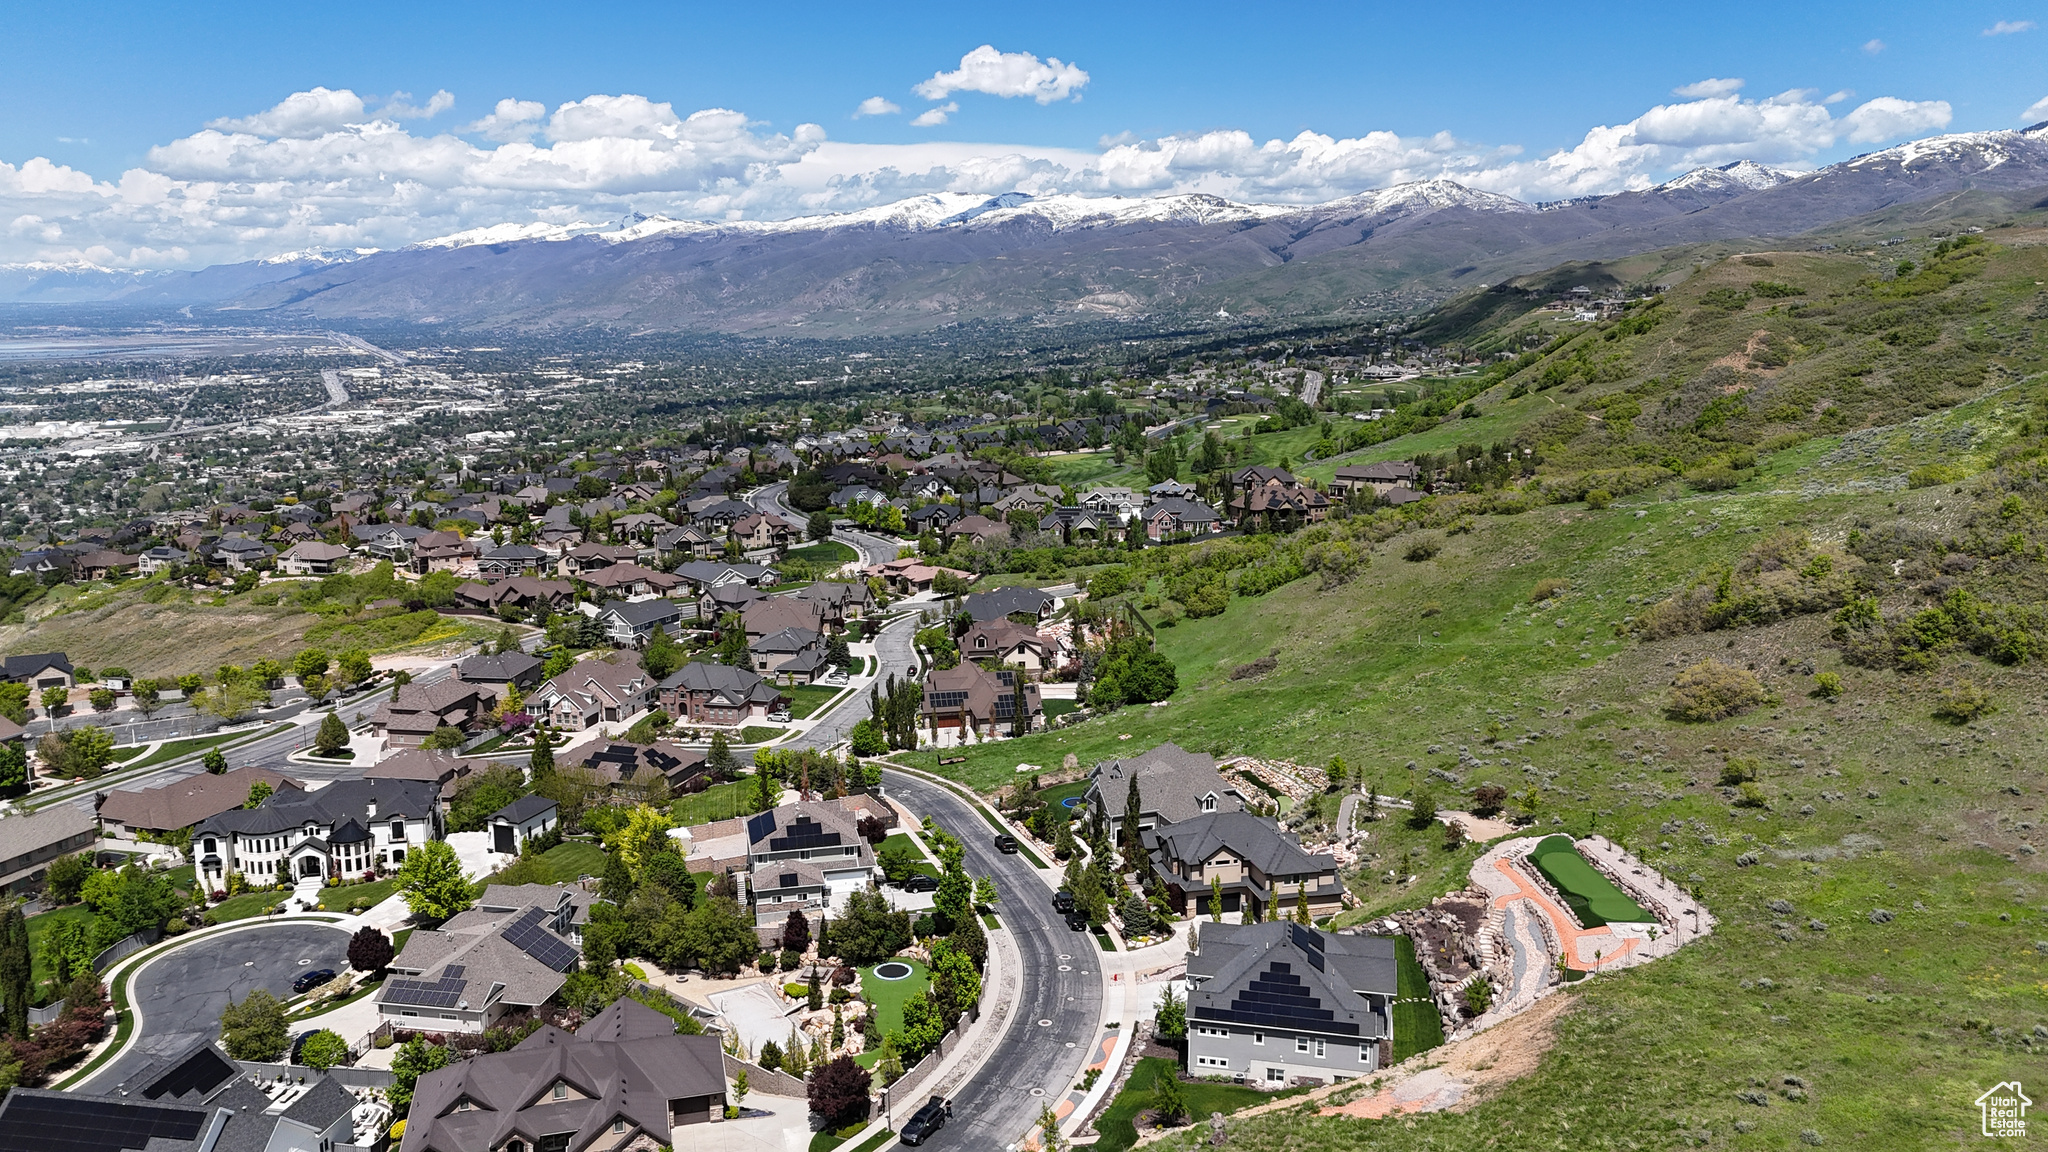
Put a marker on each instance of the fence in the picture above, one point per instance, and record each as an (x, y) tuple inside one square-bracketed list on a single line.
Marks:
[(906, 1086), (760, 1079), (126, 946), (343, 1075), (41, 1016)]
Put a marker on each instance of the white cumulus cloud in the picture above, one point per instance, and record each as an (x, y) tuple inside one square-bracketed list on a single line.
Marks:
[(2036, 112), (301, 114), (1888, 118), (2009, 27), (934, 116), (1873, 47), (876, 106), (1007, 74), (1708, 87), (510, 120), (401, 107)]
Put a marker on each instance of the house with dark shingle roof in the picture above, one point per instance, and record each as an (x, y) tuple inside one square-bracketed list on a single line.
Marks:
[(793, 655), (182, 803), (594, 691), (1000, 603), (620, 1083), (343, 829), (497, 671), (1259, 868), (700, 693), (1281, 1002), (483, 964), (29, 841), (38, 670), (1173, 784), (632, 623), (418, 709)]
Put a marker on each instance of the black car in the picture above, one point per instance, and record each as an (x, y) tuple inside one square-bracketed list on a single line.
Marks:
[(308, 981), (920, 882), (1076, 922), (1006, 844), (1063, 901), (925, 1122)]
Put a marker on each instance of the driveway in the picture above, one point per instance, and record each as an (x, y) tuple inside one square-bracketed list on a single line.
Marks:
[(178, 995)]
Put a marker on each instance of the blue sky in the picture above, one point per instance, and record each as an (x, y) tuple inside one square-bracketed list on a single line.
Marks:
[(1146, 99)]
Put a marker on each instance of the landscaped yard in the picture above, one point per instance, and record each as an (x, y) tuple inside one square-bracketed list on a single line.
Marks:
[(573, 858), (758, 734), (246, 905), (343, 897), (888, 996), (1417, 1026), (39, 927), (805, 699), (1593, 898), (923, 864), (1118, 1122), (173, 749), (1054, 709), (718, 802)]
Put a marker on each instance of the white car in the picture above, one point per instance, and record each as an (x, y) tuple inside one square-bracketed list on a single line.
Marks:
[(779, 717)]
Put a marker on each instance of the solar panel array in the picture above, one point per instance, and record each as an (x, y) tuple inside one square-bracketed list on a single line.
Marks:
[(760, 826), (1277, 998), (202, 1071), (90, 1124), (804, 832), (948, 699), (1311, 945), (442, 993), (530, 936)]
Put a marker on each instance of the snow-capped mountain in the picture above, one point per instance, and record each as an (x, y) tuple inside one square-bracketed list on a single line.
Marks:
[(948, 256)]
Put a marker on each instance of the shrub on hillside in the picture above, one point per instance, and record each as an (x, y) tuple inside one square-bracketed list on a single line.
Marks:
[(1711, 690), (1963, 703), (1598, 498), (1549, 590), (1423, 548)]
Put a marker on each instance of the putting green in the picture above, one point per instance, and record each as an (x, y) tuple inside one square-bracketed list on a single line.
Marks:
[(1593, 897)]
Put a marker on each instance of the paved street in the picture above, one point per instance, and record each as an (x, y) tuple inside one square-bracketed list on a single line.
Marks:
[(179, 994)]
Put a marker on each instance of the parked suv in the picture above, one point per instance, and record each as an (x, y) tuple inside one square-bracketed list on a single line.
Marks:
[(1063, 901), (927, 1120)]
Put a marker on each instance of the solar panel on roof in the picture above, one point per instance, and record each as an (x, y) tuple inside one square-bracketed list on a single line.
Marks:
[(424, 993), (529, 936), (453, 971), (91, 1124), (760, 826)]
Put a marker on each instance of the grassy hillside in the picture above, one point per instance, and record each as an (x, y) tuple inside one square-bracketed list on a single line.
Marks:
[(1840, 490)]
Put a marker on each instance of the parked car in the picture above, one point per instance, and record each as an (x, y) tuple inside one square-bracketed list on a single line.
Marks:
[(1063, 901), (920, 882), (925, 1121), (308, 981), (778, 717), (1006, 844), (1076, 922)]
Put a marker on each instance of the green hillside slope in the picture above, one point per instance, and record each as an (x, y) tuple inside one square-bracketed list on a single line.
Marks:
[(1829, 478)]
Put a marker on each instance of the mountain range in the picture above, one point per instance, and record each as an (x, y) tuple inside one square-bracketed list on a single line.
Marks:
[(944, 257)]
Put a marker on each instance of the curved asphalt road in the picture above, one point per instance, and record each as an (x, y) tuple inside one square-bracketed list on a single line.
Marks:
[(995, 1108), (180, 993)]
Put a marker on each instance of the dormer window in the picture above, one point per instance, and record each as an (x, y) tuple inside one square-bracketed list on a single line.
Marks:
[(1209, 802), (398, 829), (561, 1090)]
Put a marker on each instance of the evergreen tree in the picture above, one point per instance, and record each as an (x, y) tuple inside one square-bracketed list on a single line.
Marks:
[(542, 761), (15, 966), (333, 735), (1132, 841)]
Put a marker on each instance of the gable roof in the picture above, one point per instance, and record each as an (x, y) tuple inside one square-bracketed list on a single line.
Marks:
[(28, 664), (1250, 837), (1171, 783), (1291, 978), (339, 801), (186, 802), (1000, 602)]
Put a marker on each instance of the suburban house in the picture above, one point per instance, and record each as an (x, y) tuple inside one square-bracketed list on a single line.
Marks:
[(587, 558), (979, 529), (1177, 517), (28, 842), (772, 614), (194, 1099), (633, 768), (154, 560), (838, 602), (714, 604), (688, 540), (969, 702), (182, 803), (911, 576), (793, 655), (444, 769), (502, 670), (1273, 496), (630, 581), (762, 532), (804, 857), (623, 1082), (1280, 1002), (241, 554), (517, 593), (1379, 479), (510, 560), (706, 574), (416, 710), (38, 671), (344, 829), (699, 693), (523, 819), (1077, 525), (1031, 603), (1262, 870), (1173, 784), (1007, 643), (312, 558), (592, 692), (1116, 503), (483, 964), (632, 623), (391, 542), (440, 552), (102, 564)]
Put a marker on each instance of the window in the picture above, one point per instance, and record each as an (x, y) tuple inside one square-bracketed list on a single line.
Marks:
[(1205, 1030), (618, 1125), (398, 830), (1365, 1053), (561, 1090), (1301, 1043), (1209, 802), (1279, 1074), (553, 1142), (1319, 1048), (1258, 1037), (1212, 1061)]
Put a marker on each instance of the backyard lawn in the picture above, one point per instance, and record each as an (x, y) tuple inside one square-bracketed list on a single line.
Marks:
[(718, 802), (572, 859), (1593, 898), (1054, 709), (888, 996), (1118, 1122), (1417, 1027), (39, 927)]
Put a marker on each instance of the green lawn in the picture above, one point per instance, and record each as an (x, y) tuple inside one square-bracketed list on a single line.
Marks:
[(344, 896), (824, 552), (718, 802), (758, 734), (1054, 709), (247, 905), (804, 699), (39, 928), (1118, 1121), (830, 1139), (1071, 790), (1417, 1027), (574, 858), (1593, 898), (923, 864), (887, 996), (177, 748)]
